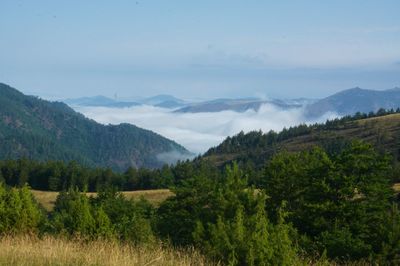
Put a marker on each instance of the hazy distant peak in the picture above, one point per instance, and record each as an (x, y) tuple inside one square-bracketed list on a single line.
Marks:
[(164, 101), (236, 105), (157, 99), (99, 101), (162, 97), (88, 100), (354, 100)]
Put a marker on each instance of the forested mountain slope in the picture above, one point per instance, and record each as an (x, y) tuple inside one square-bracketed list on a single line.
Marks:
[(43, 130)]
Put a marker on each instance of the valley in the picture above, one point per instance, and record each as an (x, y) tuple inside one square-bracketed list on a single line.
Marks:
[(200, 133)]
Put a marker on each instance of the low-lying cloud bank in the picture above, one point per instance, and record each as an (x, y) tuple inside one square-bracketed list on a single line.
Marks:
[(199, 131)]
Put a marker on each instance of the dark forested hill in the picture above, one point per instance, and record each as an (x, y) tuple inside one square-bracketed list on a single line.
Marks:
[(348, 102), (381, 129), (42, 130)]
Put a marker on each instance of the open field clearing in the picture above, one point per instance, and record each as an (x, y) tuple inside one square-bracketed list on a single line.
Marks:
[(155, 196), (30, 250)]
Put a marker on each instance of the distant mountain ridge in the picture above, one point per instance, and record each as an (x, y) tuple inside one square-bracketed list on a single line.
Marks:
[(236, 105), (99, 101), (181, 106), (43, 130), (163, 100), (355, 100), (346, 102)]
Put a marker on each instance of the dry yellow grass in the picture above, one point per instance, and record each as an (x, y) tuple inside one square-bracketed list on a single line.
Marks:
[(30, 250), (385, 118), (396, 187), (155, 196)]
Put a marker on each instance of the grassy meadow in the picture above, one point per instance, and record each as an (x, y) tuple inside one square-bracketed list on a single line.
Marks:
[(154, 196), (50, 250)]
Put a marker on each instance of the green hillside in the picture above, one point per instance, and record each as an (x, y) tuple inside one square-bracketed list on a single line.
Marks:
[(381, 129), (34, 128)]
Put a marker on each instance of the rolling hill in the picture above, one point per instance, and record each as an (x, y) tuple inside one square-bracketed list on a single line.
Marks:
[(43, 130), (256, 147)]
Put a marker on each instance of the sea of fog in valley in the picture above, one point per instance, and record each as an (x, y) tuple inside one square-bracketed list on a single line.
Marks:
[(200, 131)]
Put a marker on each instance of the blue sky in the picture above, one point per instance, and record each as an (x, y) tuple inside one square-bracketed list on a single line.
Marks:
[(198, 49)]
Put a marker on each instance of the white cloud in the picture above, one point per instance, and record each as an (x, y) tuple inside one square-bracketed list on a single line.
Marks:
[(198, 131)]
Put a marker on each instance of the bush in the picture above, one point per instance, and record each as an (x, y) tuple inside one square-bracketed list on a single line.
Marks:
[(73, 215), (130, 219), (110, 215), (19, 212)]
